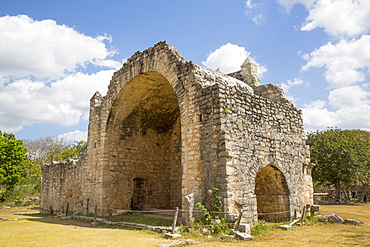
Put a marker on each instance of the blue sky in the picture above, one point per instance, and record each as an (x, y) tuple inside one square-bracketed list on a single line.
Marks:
[(55, 54)]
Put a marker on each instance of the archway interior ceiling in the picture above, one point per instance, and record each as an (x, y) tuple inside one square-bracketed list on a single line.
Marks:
[(148, 101)]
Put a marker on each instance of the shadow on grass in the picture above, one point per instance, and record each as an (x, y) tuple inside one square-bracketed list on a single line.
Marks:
[(131, 218), (80, 223), (147, 219)]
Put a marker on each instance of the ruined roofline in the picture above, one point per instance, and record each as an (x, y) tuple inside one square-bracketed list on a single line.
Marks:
[(245, 78), (158, 47), (210, 77)]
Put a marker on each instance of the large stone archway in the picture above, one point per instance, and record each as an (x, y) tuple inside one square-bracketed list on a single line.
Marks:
[(144, 145), (272, 194), (168, 131)]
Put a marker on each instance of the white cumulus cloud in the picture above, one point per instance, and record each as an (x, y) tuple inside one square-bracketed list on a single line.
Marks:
[(230, 57), (316, 116), (336, 17), (346, 60), (41, 78), (349, 97), (340, 17), (44, 49), (63, 102), (351, 110), (74, 136), (343, 61)]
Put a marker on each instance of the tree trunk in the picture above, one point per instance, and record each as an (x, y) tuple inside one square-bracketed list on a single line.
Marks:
[(363, 192), (345, 192), (337, 190)]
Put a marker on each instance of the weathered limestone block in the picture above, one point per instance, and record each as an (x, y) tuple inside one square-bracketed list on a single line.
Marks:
[(191, 201), (332, 218)]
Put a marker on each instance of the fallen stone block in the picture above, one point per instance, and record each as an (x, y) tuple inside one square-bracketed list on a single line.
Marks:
[(332, 218), (352, 222), (294, 222), (286, 227), (243, 236), (172, 235)]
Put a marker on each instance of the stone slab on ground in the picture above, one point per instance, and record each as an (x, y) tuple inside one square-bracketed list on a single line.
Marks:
[(243, 236), (352, 222), (172, 235), (294, 222), (286, 227)]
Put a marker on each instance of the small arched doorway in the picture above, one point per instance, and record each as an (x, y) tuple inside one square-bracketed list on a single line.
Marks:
[(272, 195)]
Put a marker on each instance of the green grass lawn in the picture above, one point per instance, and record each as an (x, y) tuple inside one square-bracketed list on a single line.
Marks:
[(34, 229)]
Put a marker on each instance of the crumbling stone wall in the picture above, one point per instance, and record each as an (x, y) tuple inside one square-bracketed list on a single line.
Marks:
[(168, 131)]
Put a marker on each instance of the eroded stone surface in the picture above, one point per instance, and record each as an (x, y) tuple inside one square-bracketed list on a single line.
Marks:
[(332, 218), (352, 222), (168, 128)]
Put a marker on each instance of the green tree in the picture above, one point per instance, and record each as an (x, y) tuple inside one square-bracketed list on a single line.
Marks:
[(76, 151), (342, 157), (12, 162)]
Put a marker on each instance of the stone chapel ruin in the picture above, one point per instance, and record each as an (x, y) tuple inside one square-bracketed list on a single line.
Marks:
[(168, 131)]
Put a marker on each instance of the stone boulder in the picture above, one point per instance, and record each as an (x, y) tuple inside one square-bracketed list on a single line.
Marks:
[(332, 218), (352, 222)]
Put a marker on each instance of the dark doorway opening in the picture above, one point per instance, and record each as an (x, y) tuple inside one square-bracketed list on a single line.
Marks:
[(138, 194)]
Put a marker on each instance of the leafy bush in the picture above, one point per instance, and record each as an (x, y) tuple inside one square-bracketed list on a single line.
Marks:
[(211, 218)]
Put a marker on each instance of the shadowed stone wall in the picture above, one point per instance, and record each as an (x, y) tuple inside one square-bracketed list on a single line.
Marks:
[(168, 131)]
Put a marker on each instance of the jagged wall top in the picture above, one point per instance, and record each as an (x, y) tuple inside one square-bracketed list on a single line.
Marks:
[(247, 78)]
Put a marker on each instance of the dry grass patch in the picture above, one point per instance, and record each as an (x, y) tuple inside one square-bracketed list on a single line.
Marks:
[(37, 230), (314, 233), (32, 230)]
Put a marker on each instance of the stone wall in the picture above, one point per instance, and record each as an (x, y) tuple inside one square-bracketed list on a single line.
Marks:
[(168, 131), (261, 132)]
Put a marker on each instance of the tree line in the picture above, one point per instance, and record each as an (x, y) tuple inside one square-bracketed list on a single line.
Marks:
[(21, 161), (342, 159)]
